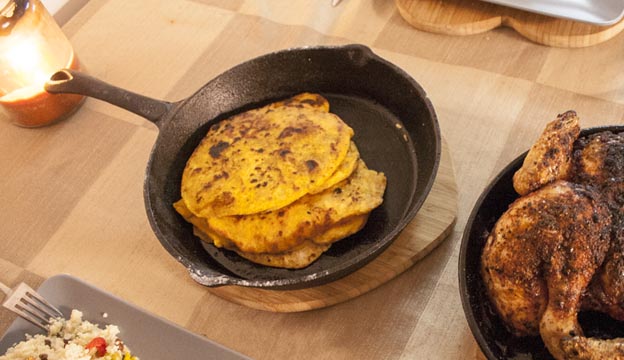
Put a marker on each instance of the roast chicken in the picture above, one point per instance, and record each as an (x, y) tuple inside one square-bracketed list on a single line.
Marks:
[(559, 248)]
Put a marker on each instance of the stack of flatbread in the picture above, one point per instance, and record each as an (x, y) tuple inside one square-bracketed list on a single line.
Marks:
[(279, 184)]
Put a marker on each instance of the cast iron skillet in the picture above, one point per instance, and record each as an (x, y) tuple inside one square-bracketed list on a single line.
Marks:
[(396, 131), (491, 335)]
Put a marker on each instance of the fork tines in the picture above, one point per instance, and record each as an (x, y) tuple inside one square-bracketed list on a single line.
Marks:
[(31, 306)]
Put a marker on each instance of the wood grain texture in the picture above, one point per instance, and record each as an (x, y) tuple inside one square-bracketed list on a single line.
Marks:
[(429, 228), (468, 17)]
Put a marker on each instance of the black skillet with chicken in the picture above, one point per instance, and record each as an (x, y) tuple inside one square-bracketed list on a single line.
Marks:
[(559, 248)]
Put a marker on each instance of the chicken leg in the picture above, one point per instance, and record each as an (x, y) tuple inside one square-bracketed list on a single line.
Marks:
[(540, 257)]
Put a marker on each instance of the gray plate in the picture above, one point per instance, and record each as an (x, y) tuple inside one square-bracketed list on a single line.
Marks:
[(596, 12), (148, 336)]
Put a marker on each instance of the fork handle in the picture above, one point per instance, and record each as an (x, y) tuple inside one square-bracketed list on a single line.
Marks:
[(5, 289)]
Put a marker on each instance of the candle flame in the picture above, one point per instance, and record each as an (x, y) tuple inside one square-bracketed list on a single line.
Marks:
[(31, 52), (28, 63)]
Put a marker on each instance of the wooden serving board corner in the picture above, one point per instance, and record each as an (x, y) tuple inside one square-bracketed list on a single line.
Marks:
[(467, 17), (433, 223)]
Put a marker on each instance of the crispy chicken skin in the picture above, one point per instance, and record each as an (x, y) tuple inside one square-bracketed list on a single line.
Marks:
[(550, 158), (599, 163), (540, 256)]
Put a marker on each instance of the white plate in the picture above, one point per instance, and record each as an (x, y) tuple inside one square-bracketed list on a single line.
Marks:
[(148, 336), (596, 12)]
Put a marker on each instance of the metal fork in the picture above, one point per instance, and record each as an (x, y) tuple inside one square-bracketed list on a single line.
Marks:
[(29, 305)]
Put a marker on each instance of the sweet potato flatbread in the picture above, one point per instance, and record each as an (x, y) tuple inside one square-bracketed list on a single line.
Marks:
[(264, 159), (304, 100), (307, 218), (279, 184), (299, 257)]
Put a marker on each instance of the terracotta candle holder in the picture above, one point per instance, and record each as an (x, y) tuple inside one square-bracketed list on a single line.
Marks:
[(32, 48)]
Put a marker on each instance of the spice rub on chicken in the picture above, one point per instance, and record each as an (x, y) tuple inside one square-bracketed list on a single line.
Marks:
[(279, 184), (540, 257), (559, 248), (599, 163)]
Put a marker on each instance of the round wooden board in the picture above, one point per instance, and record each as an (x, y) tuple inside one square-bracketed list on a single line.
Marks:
[(467, 17), (430, 227)]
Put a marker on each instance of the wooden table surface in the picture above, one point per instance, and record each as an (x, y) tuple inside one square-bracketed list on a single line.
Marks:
[(71, 196)]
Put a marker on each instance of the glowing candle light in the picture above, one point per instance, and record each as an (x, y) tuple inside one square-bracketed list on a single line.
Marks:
[(32, 48)]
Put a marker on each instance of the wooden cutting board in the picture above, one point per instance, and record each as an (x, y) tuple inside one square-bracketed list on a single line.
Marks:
[(467, 17), (430, 227)]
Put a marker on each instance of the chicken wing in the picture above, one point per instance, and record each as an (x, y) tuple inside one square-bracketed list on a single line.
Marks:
[(550, 158), (540, 257)]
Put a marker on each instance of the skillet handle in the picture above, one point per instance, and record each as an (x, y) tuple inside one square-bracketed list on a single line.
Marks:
[(76, 82)]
